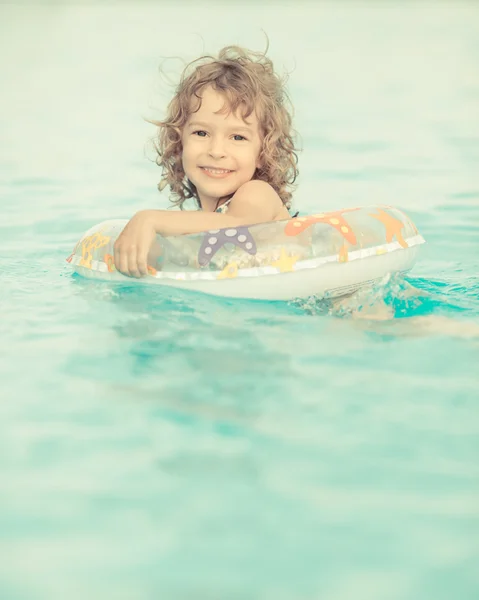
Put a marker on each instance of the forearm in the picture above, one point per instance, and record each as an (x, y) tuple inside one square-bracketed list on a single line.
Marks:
[(166, 222)]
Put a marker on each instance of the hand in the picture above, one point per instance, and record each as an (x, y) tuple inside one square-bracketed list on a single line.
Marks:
[(133, 245)]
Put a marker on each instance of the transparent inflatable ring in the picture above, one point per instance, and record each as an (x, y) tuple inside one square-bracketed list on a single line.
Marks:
[(324, 254)]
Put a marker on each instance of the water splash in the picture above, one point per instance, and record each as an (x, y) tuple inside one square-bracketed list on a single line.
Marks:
[(399, 297)]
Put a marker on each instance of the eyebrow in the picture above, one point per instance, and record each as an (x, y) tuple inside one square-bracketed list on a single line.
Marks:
[(233, 128)]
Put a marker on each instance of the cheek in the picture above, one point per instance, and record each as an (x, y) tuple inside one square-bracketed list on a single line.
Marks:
[(257, 155), (186, 154), (191, 149), (186, 163), (250, 156), (257, 162)]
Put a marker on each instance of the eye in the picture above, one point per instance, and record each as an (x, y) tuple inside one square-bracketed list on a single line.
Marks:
[(200, 133), (238, 138)]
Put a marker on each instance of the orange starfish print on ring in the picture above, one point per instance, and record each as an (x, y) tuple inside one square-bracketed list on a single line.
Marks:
[(335, 219), (109, 262), (393, 226)]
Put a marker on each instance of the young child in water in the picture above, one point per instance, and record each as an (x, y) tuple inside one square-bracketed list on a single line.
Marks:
[(227, 141)]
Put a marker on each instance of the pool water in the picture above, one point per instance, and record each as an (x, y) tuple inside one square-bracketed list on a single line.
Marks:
[(156, 443)]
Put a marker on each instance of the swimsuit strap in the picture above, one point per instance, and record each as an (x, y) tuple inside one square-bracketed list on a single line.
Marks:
[(224, 207)]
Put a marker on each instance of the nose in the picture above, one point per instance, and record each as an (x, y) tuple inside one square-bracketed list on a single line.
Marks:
[(217, 148)]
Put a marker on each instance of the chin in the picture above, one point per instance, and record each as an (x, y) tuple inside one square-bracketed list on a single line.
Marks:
[(219, 191)]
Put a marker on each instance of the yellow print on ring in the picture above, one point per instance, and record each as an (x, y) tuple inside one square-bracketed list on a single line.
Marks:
[(88, 247)]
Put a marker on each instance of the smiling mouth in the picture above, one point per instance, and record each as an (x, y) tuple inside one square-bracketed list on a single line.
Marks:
[(216, 172)]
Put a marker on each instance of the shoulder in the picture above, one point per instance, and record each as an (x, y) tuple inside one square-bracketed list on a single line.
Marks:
[(257, 198), (257, 187)]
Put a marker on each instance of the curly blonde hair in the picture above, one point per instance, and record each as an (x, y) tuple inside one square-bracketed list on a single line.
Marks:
[(248, 82)]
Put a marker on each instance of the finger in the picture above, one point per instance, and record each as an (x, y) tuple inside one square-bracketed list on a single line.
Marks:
[(142, 262), (133, 262), (117, 257), (123, 262)]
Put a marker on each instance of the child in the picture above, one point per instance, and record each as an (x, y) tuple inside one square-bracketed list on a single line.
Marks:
[(227, 141)]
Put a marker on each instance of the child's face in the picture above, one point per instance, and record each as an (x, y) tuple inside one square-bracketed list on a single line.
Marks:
[(220, 150)]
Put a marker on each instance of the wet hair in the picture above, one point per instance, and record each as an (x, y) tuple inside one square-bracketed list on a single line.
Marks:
[(249, 84)]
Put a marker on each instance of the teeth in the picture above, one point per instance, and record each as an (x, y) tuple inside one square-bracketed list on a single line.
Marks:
[(216, 171)]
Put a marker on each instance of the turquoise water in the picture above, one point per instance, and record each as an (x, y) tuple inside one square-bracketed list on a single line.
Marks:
[(155, 443)]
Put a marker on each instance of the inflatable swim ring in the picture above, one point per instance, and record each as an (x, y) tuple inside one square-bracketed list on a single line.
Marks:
[(325, 254)]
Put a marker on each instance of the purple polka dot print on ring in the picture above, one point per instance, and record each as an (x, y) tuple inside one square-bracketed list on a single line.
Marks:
[(215, 239)]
